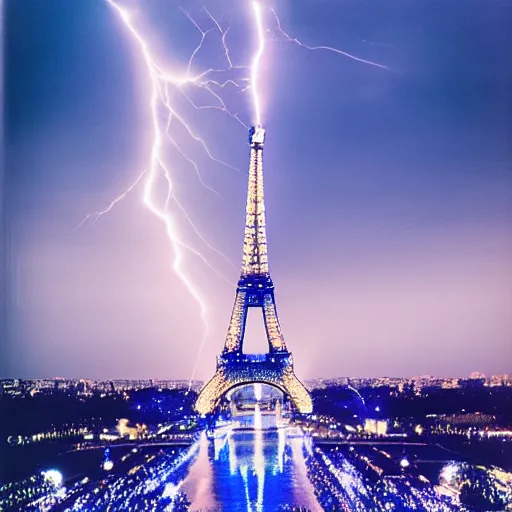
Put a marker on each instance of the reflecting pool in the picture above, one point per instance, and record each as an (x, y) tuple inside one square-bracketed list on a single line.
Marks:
[(250, 471)]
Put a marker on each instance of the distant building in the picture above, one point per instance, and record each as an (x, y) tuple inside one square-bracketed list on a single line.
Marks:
[(500, 380), (376, 427)]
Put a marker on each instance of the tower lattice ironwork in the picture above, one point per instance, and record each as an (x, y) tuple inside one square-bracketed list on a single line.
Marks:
[(255, 289)]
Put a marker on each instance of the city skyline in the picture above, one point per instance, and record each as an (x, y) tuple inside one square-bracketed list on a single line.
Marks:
[(388, 204)]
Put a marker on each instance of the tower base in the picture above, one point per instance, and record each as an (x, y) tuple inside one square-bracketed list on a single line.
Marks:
[(236, 369)]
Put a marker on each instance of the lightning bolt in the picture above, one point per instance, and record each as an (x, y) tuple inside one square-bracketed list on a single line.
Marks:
[(294, 40), (256, 62), (161, 83), (93, 217)]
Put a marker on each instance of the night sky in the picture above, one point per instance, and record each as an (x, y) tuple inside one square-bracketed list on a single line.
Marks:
[(388, 192)]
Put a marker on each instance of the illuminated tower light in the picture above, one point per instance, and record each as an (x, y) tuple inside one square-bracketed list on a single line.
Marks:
[(255, 289)]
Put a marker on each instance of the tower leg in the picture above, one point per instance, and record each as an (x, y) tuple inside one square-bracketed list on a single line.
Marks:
[(277, 375)]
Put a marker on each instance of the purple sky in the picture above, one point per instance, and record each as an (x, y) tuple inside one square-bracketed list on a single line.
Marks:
[(389, 193)]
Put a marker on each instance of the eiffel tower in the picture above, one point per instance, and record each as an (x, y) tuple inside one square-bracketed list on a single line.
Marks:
[(255, 290)]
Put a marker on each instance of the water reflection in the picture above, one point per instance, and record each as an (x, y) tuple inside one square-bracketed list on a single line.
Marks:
[(250, 470)]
